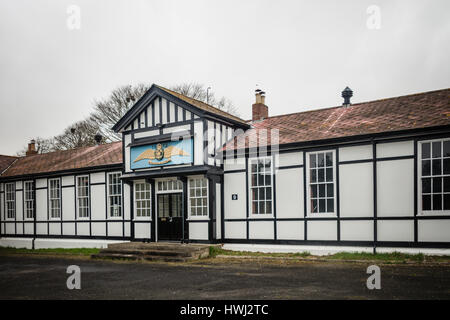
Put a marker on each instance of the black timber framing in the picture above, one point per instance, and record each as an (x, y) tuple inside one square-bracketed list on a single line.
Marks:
[(156, 92), (416, 138)]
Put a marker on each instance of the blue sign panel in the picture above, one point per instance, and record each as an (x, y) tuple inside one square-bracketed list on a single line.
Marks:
[(162, 154)]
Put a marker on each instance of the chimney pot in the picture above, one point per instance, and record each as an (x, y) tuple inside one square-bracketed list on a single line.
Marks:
[(259, 109)]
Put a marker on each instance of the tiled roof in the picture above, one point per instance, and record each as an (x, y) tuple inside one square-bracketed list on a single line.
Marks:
[(203, 106), (5, 162), (86, 157), (415, 111)]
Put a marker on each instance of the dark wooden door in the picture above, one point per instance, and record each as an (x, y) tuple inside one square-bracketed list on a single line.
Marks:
[(170, 217)]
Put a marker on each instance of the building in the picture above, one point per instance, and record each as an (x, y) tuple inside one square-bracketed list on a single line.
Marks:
[(365, 174)]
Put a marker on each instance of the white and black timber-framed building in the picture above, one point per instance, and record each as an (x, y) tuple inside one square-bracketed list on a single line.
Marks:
[(366, 174)]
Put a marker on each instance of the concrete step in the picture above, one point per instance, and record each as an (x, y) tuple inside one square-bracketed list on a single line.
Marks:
[(168, 252), (154, 252), (132, 257), (114, 256)]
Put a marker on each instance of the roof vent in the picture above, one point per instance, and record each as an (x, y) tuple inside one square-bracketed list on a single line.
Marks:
[(347, 94), (98, 138)]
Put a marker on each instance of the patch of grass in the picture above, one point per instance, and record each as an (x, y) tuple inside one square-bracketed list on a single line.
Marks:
[(71, 251), (392, 257), (215, 251)]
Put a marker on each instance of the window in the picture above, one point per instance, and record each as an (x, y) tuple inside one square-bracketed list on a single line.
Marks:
[(142, 196), (198, 197), (114, 194), (29, 199), (321, 186), (55, 198), (83, 196), (10, 200), (170, 185), (261, 186), (435, 175)]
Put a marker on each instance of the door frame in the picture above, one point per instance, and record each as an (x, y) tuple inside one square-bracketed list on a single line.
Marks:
[(183, 205), (170, 196)]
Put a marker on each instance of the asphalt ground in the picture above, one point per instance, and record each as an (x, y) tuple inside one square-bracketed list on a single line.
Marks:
[(35, 277)]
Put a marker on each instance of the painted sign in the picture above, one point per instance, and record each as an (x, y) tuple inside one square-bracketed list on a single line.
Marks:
[(160, 154)]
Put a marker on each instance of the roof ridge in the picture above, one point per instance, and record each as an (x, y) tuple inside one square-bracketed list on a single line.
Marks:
[(73, 149), (4, 155), (354, 104)]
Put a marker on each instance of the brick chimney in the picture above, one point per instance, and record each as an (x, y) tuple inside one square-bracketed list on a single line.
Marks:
[(259, 110), (31, 148)]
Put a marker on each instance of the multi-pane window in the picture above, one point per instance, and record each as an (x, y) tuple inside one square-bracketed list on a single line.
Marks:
[(142, 196), (170, 185), (261, 186), (10, 200), (55, 198), (198, 197), (83, 196), (435, 175), (321, 182), (114, 194), (29, 199)]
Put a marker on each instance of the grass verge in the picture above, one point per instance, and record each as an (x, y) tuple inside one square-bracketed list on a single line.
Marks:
[(394, 257), (214, 252), (72, 251)]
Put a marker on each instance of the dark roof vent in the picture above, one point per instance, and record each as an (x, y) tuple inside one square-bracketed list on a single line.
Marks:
[(98, 138), (347, 94)]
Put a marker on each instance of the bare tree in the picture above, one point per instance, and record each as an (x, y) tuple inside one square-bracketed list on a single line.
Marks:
[(80, 134), (193, 90), (199, 92), (42, 146), (109, 111)]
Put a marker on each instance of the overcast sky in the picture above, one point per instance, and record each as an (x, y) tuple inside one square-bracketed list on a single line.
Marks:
[(302, 53)]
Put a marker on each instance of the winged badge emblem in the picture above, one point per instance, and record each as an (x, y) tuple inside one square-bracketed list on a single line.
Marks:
[(160, 153)]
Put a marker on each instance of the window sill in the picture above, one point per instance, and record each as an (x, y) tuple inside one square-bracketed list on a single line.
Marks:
[(434, 213), (261, 216), (142, 219), (115, 218), (205, 218), (321, 215)]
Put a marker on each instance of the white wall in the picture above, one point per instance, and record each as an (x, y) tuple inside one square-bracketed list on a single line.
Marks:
[(356, 190), (235, 184), (218, 211), (395, 188), (198, 230), (289, 193), (235, 230)]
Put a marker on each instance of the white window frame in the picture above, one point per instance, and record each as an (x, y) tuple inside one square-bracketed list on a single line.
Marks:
[(135, 201), (419, 178), (78, 197), (196, 217), (319, 215), (250, 193), (12, 201), (27, 200), (54, 199), (168, 185), (109, 196)]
